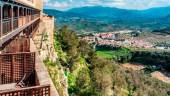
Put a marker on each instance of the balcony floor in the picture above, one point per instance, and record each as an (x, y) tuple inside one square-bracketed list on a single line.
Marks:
[(6, 87)]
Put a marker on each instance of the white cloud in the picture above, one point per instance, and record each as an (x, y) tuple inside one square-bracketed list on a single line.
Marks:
[(129, 4), (46, 1)]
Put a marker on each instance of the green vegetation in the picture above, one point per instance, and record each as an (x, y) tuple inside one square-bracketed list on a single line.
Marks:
[(54, 69), (105, 54), (158, 58), (147, 57), (89, 74), (75, 60), (120, 55)]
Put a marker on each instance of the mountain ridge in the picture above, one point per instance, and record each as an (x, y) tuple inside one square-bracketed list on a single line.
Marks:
[(99, 11), (114, 13), (102, 21)]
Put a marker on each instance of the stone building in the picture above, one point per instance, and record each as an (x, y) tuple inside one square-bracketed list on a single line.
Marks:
[(22, 72)]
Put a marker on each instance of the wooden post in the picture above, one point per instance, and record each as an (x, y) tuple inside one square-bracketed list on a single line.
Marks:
[(1, 19), (19, 21), (0, 31), (12, 17), (24, 64), (12, 62), (18, 12), (0, 69)]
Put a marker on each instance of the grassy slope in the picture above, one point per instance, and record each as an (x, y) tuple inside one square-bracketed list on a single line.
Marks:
[(114, 54), (105, 54)]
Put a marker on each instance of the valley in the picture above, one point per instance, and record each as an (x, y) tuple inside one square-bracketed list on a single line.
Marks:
[(108, 69), (98, 19), (106, 51), (146, 52)]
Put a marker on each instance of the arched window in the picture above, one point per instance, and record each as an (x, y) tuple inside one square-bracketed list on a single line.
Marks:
[(21, 11), (6, 11), (15, 11)]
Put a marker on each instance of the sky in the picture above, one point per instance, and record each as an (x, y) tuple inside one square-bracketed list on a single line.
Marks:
[(124, 4)]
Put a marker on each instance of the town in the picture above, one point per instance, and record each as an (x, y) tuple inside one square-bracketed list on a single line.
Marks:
[(123, 38)]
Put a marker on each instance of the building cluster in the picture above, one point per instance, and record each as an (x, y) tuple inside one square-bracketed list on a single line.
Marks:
[(116, 39), (89, 38), (21, 72), (109, 36), (141, 44)]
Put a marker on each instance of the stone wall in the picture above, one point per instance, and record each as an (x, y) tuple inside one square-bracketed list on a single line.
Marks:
[(42, 72), (39, 4), (44, 41), (44, 38)]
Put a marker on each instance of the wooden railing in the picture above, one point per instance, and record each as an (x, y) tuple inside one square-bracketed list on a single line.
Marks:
[(7, 26), (13, 66), (15, 26), (29, 91), (17, 22)]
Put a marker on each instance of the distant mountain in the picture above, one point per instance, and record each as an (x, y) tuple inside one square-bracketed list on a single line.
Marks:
[(103, 12), (103, 19), (99, 12), (57, 13), (165, 31), (156, 12), (168, 16)]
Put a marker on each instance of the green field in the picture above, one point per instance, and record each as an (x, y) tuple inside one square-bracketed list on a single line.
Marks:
[(105, 54), (120, 55)]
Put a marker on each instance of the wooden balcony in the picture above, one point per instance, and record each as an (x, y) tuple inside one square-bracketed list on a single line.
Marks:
[(17, 23), (19, 75), (14, 18), (19, 68), (14, 66), (29, 91), (6, 26)]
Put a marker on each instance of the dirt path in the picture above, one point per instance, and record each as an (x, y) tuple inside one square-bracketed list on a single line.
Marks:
[(163, 76), (133, 66)]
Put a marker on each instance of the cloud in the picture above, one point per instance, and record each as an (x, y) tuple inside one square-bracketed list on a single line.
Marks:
[(59, 5), (46, 1), (128, 4)]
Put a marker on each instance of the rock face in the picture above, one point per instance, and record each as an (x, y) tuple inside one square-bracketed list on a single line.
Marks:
[(44, 41), (59, 80), (44, 38), (42, 72)]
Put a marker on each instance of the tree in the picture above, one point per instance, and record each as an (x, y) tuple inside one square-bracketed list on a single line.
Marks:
[(68, 40), (84, 48), (102, 76)]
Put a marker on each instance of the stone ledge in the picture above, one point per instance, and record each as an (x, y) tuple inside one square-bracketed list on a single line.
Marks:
[(41, 71)]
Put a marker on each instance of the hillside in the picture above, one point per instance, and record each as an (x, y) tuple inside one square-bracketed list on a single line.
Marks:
[(102, 12), (58, 13), (165, 31), (109, 12), (104, 19), (87, 74)]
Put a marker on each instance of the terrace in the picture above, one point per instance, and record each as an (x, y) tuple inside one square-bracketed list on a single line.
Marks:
[(14, 18), (19, 76), (22, 72)]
